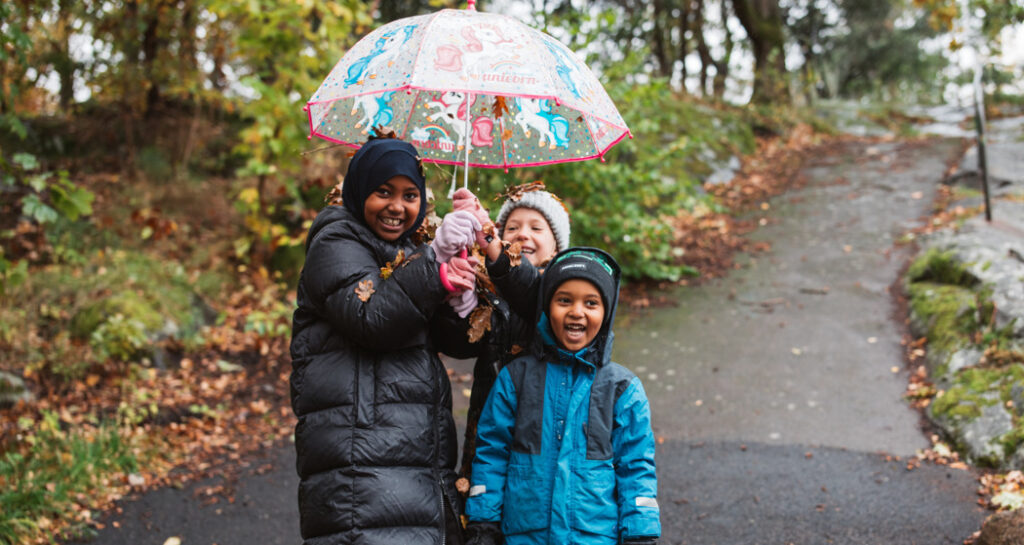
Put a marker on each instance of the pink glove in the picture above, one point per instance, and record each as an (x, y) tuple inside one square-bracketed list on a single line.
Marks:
[(456, 232), (464, 270), (458, 274), (463, 303), (464, 200)]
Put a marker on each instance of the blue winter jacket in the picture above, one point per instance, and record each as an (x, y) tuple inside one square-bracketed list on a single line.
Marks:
[(565, 451)]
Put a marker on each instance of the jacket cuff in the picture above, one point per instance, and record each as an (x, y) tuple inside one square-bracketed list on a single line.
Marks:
[(500, 266)]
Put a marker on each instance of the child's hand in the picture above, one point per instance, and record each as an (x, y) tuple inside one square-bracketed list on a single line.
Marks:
[(463, 303), (457, 231), (458, 274), (464, 200)]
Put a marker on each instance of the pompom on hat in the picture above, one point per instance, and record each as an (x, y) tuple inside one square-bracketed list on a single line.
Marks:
[(549, 206)]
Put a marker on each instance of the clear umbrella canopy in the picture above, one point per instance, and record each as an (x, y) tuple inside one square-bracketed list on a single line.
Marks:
[(471, 88)]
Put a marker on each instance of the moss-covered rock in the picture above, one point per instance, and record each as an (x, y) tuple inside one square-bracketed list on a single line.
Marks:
[(946, 315), (974, 414), (130, 305), (940, 267)]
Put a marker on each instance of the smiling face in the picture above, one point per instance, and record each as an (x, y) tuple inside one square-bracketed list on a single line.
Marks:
[(576, 313), (529, 227), (392, 208)]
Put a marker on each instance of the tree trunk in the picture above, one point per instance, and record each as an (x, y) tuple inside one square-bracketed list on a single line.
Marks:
[(684, 44), (659, 46), (702, 47), (722, 64), (762, 19), (64, 66)]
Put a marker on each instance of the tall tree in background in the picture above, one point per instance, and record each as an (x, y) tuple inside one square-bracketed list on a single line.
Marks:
[(763, 22)]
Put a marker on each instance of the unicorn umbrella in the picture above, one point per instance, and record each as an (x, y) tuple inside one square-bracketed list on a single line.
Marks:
[(470, 88)]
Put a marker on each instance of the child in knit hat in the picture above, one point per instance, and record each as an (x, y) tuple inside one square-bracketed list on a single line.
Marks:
[(565, 450), (533, 224)]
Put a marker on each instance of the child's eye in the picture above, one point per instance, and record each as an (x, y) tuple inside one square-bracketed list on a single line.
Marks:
[(592, 303), (412, 196), (383, 193)]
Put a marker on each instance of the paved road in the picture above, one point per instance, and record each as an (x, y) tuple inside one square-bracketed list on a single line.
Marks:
[(773, 390)]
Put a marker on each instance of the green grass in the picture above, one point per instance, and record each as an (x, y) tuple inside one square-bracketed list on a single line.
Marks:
[(51, 480)]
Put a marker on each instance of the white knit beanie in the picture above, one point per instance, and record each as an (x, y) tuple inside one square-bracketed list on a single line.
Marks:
[(549, 206)]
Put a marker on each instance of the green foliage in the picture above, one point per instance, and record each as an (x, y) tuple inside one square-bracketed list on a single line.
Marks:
[(67, 318), (45, 476), (625, 204), (950, 314), (287, 48), (43, 197), (119, 338), (940, 267)]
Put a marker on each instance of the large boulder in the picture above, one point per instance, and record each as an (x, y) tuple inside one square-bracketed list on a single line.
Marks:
[(1003, 528)]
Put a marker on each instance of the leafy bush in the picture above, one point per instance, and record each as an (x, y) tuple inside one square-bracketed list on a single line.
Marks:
[(119, 338), (68, 317), (625, 203)]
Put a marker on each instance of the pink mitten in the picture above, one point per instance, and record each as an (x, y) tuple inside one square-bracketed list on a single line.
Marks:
[(461, 271), (457, 231), (458, 274), (463, 303), (464, 200)]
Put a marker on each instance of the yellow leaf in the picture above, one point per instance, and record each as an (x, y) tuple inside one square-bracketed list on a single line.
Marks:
[(92, 380)]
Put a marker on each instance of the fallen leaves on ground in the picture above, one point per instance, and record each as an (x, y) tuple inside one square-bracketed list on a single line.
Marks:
[(194, 420)]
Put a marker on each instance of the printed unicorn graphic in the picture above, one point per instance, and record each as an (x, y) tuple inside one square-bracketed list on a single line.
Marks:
[(536, 114), (485, 46), (451, 108), (566, 68), (376, 110), (384, 51)]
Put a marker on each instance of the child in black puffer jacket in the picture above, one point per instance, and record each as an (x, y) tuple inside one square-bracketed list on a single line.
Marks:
[(375, 439)]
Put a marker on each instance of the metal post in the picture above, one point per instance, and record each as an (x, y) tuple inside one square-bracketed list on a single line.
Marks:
[(979, 124)]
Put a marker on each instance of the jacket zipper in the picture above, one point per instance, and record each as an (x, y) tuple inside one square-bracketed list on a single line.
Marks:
[(437, 449)]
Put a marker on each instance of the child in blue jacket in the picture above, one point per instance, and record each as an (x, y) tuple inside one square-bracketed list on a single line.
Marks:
[(565, 451)]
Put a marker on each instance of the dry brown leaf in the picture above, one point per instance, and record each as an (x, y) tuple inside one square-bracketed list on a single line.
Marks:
[(499, 107), (333, 198), (364, 290), (515, 253), (516, 192), (389, 267), (479, 322), (483, 280)]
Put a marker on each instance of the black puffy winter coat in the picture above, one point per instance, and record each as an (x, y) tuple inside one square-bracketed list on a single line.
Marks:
[(512, 329), (375, 438)]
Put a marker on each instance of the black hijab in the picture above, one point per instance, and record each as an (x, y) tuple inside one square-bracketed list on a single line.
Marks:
[(375, 163)]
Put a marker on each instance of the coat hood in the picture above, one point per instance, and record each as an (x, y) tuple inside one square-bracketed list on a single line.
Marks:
[(599, 268)]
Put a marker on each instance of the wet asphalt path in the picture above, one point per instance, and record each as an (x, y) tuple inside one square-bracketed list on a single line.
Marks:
[(773, 390), (777, 390)]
